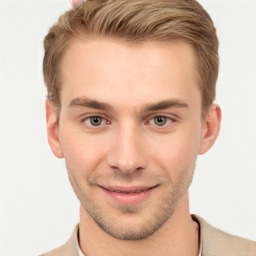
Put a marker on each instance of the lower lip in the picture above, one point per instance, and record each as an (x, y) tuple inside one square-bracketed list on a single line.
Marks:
[(132, 198)]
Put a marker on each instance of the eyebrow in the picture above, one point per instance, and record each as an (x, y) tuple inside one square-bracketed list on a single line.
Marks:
[(161, 105), (89, 103), (165, 104)]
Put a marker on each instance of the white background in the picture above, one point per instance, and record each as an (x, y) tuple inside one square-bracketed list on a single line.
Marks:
[(38, 209)]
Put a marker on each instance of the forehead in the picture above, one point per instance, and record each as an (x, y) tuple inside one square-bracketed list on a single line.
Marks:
[(115, 71)]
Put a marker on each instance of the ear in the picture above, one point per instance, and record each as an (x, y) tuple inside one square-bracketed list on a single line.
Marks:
[(210, 128), (53, 129)]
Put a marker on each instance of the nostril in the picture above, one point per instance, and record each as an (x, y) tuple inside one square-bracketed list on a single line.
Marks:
[(127, 167), (126, 155)]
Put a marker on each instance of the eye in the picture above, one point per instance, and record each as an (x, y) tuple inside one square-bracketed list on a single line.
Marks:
[(95, 121), (160, 120)]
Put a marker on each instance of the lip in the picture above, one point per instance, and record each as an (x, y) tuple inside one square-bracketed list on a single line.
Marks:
[(128, 195)]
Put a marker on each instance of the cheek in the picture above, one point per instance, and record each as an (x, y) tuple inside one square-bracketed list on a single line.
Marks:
[(177, 150), (82, 153)]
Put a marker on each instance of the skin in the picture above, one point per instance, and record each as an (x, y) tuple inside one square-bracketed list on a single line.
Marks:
[(131, 117)]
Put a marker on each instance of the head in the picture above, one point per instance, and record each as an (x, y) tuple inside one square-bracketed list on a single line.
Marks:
[(131, 86)]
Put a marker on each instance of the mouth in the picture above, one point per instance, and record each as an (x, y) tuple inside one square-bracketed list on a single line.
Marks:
[(128, 195), (128, 191)]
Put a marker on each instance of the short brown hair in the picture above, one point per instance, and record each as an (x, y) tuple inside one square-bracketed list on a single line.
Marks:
[(137, 21)]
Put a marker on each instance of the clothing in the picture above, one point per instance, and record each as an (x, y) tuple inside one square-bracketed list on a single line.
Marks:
[(78, 246), (214, 243)]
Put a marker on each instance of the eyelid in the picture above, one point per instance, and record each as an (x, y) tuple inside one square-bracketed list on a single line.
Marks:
[(170, 118), (88, 116)]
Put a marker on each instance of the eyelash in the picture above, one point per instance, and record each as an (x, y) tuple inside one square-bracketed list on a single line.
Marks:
[(106, 122), (168, 120)]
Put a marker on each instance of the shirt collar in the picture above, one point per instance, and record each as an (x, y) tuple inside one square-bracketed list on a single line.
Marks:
[(77, 244)]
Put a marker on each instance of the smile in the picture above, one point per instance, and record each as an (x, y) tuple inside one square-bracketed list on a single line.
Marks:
[(127, 195), (128, 192)]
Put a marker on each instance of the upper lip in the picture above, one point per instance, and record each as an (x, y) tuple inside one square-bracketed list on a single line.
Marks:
[(125, 189)]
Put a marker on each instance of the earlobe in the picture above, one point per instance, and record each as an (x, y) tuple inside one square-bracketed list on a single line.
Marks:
[(53, 129), (210, 128)]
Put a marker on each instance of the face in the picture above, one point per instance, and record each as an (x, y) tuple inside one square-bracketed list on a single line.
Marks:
[(130, 130)]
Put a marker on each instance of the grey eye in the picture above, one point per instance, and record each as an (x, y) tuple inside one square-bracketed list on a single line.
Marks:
[(94, 121), (160, 120)]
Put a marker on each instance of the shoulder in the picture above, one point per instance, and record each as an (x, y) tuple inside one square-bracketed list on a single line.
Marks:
[(67, 249), (217, 242)]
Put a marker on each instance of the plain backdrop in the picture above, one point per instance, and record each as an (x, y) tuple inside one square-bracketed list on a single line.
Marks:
[(38, 208)]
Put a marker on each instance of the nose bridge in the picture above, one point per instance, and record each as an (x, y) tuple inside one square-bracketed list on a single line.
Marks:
[(127, 154)]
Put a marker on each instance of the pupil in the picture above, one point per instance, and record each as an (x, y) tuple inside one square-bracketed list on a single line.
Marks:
[(96, 121), (160, 120)]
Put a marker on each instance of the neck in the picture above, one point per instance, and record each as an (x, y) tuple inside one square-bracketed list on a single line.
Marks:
[(177, 237)]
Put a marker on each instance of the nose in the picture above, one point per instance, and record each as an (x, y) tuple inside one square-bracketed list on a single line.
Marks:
[(127, 153)]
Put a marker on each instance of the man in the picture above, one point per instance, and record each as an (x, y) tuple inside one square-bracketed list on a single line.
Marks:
[(131, 89)]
